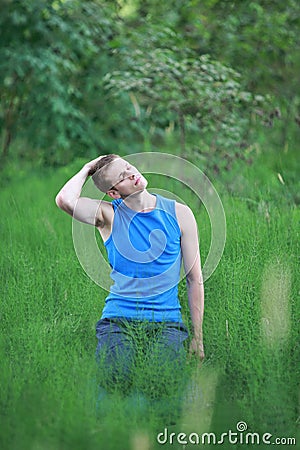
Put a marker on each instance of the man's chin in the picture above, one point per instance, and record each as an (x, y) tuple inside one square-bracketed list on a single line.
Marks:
[(143, 183), (140, 189), (141, 186)]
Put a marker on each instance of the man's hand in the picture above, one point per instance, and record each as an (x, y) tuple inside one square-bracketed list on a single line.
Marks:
[(91, 165), (196, 347)]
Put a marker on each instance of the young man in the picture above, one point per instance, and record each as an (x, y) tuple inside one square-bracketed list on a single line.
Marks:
[(146, 237)]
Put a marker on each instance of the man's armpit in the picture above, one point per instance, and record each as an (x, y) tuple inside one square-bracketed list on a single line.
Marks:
[(99, 223), (104, 215)]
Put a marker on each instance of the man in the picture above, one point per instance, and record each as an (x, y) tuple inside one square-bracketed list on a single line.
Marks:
[(146, 237)]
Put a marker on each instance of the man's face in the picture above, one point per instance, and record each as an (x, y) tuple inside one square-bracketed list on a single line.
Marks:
[(126, 179)]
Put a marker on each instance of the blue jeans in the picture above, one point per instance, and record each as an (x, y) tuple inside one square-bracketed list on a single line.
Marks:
[(148, 356)]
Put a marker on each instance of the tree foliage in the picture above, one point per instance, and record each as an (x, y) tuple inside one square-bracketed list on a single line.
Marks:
[(175, 88), (258, 38), (46, 48), (172, 67)]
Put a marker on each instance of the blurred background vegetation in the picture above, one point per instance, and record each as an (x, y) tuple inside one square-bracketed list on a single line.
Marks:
[(216, 82)]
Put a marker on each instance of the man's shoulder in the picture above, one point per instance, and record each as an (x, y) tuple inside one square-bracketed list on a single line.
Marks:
[(181, 208), (171, 202), (184, 215)]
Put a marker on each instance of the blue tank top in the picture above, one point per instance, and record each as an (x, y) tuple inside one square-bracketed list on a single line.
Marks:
[(145, 256)]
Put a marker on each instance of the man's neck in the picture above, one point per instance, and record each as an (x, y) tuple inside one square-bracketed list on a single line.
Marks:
[(141, 201)]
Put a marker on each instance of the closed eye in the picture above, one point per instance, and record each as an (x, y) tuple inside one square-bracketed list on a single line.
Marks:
[(123, 174)]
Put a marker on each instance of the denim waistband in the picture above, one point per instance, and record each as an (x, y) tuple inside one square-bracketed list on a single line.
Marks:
[(124, 322)]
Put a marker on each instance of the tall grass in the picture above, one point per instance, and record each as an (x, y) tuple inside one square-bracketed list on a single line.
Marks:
[(49, 308)]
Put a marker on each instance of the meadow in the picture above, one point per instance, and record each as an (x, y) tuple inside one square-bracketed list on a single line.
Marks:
[(49, 308)]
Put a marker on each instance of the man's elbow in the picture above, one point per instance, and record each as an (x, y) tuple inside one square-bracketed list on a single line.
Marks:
[(194, 279), (59, 201), (62, 203)]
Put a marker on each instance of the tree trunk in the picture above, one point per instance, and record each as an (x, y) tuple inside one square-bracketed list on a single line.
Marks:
[(182, 132), (8, 121)]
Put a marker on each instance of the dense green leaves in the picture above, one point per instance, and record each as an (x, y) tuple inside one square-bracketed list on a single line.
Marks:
[(45, 50), (172, 67), (174, 87)]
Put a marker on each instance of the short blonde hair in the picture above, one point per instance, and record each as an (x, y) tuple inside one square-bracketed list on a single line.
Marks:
[(99, 172)]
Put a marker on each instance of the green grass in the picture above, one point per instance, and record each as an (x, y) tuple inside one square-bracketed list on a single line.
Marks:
[(49, 308)]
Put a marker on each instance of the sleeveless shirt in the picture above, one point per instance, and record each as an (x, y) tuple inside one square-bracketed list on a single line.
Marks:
[(145, 256)]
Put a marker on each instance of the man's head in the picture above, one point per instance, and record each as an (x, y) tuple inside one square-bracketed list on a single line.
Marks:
[(116, 177), (100, 170)]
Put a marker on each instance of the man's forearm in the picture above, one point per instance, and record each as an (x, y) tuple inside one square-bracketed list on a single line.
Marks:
[(196, 306), (70, 192)]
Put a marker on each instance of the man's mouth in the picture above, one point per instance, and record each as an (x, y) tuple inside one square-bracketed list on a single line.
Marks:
[(137, 181)]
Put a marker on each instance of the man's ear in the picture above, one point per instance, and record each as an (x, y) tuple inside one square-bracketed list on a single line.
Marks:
[(113, 193)]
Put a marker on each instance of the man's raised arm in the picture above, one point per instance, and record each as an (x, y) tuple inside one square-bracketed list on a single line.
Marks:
[(68, 199)]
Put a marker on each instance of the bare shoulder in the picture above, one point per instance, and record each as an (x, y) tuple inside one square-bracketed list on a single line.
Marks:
[(185, 215), (182, 209)]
